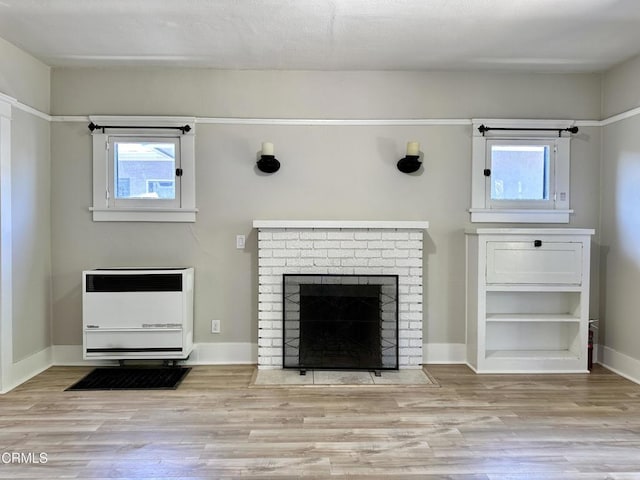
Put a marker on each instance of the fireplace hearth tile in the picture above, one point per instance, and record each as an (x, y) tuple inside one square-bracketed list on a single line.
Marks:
[(282, 377), (341, 378), (330, 378), (402, 377)]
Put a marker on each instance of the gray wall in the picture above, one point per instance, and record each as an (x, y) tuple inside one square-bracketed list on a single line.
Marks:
[(28, 80), (328, 172), (23, 77), (620, 90), (620, 217), (31, 216), (305, 94)]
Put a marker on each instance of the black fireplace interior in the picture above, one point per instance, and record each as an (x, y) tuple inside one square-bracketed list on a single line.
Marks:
[(340, 322)]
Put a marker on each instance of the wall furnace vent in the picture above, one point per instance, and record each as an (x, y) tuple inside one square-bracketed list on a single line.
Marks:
[(137, 313)]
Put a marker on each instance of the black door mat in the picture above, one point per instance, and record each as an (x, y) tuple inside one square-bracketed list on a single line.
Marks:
[(132, 378)]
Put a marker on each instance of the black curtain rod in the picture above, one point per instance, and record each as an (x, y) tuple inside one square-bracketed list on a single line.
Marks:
[(482, 129), (92, 126)]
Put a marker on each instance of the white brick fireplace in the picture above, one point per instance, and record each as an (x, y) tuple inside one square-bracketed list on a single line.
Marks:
[(340, 248)]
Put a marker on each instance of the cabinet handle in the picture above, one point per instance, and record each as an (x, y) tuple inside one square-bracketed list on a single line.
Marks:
[(537, 243)]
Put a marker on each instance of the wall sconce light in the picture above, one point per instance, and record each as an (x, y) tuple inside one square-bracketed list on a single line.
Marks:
[(268, 162), (411, 162)]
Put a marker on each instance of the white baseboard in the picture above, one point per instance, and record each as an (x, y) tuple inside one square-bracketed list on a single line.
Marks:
[(624, 365), (224, 353), (27, 368), (444, 353), (71, 356), (247, 353)]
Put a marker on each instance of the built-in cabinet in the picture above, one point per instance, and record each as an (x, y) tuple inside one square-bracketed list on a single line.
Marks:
[(527, 299)]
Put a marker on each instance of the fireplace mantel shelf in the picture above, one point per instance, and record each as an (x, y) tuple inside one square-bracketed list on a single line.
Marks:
[(351, 224)]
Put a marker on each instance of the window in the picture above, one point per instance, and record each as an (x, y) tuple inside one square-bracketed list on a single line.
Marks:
[(520, 175), (143, 171), (143, 174)]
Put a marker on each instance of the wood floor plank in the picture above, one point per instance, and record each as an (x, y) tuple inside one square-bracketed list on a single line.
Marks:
[(473, 427)]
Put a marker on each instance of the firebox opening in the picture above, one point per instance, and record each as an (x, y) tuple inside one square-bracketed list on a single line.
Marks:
[(340, 322)]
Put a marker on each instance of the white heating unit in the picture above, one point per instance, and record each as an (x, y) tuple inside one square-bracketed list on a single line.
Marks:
[(137, 313)]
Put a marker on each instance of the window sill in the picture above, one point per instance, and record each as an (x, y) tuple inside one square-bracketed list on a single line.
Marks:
[(519, 216), (143, 215)]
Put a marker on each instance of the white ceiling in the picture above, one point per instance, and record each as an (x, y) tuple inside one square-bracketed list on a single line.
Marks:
[(531, 35)]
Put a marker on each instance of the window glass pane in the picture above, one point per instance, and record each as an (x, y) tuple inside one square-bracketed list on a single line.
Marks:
[(145, 170), (519, 172)]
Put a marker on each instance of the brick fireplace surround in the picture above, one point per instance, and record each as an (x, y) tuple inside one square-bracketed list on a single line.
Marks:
[(340, 248)]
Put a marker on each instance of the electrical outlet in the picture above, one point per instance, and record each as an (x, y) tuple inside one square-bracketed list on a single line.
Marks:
[(215, 326), (240, 240)]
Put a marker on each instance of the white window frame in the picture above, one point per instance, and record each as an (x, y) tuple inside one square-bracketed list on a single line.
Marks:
[(105, 209), (556, 210)]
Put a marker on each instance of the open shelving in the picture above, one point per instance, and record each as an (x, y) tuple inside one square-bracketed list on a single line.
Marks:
[(527, 300)]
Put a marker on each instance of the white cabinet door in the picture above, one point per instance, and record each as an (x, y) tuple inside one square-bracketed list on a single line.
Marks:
[(534, 263)]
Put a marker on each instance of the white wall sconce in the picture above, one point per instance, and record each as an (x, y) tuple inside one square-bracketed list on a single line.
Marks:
[(411, 162), (268, 162)]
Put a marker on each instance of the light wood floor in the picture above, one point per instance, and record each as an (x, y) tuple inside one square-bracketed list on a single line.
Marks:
[(215, 426)]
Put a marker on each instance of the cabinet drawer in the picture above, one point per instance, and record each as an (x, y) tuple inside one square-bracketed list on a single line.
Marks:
[(523, 263)]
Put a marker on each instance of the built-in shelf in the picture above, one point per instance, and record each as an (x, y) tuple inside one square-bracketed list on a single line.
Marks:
[(527, 300), (530, 354), (533, 287), (532, 317)]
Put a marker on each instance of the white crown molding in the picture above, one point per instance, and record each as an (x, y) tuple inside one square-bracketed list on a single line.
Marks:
[(7, 99), (620, 116), (297, 121), (522, 122), (12, 102), (141, 120), (333, 121), (6, 103), (33, 111), (70, 118), (588, 123), (409, 122)]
